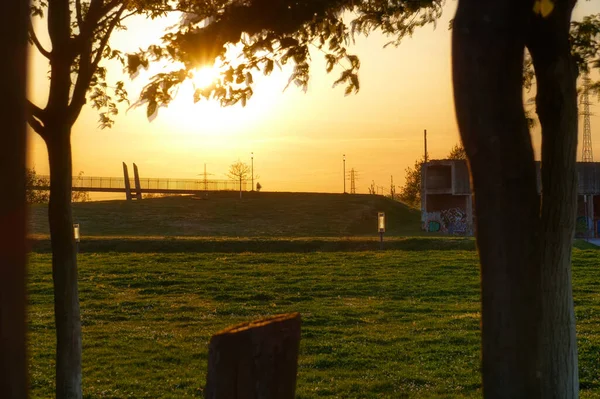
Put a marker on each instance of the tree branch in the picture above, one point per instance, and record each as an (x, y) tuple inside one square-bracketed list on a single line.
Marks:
[(59, 28), (127, 16), (35, 40), (92, 17), (78, 11), (88, 66), (35, 110), (104, 40), (96, 17), (36, 125), (100, 25), (110, 6)]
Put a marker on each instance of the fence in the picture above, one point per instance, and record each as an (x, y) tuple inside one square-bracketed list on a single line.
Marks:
[(117, 184)]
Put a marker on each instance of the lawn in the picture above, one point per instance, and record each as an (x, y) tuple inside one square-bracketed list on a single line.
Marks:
[(398, 323)]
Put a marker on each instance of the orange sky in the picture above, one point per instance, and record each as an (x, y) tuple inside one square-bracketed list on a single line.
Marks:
[(298, 139)]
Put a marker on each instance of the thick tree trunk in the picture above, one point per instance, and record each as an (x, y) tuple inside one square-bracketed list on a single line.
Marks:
[(488, 43), (64, 265), (556, 102), (13, 73)]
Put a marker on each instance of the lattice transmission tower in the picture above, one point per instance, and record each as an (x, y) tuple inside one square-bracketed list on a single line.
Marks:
[(587, 153), (353, 178)]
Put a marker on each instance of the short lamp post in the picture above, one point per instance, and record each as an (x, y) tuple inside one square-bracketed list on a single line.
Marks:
[(76, 235), (381, 227)]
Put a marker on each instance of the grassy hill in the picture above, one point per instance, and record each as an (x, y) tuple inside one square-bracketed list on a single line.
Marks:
[(225, 215)]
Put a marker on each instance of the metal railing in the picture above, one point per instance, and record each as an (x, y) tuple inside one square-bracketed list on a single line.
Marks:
[(97, 183)]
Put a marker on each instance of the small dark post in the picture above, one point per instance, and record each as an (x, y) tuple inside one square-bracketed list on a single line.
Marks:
[(255, 360), (138, 186), (127, 184)]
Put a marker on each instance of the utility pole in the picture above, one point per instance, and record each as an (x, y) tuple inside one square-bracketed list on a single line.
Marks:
[(425, 139), (344, 173), (392, 187), (252, 159)]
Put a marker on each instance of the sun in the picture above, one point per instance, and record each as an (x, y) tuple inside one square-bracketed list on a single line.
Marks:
[(204, 77)]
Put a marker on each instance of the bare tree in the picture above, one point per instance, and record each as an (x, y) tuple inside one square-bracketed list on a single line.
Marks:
[(239, 171)]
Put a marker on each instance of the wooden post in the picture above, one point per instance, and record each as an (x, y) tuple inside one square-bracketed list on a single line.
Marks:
[(13, 74), (138, 186), (127, 184), (255, 360)]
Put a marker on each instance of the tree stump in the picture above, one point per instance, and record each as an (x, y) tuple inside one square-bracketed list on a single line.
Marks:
[(258, 359)]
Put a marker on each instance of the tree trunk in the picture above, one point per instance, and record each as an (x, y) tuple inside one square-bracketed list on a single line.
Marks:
[(488, 42), (556, 102), (64, 265), (13, 73)]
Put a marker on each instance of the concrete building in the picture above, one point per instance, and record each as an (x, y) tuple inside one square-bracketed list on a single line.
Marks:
[(447, 203), (446, 200)]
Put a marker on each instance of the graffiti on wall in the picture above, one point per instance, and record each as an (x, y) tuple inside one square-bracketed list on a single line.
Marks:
[(455, 220), (451, 221), (433, 225)]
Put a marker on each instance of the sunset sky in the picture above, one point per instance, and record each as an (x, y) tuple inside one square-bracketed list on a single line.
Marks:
[(298, 139)]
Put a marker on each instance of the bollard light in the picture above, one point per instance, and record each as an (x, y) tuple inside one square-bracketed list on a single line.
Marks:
[(381, 227), (76, 232), (381, 222)]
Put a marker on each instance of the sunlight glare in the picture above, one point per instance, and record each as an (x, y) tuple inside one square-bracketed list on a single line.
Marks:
[(203, 77)]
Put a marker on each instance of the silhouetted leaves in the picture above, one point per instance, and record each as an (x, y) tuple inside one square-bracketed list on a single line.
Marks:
[(457, 152), (269, 33), (135, 61), (585, 42), (268, 67)]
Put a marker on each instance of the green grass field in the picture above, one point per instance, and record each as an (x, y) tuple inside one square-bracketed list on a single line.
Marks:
[(160, 276), (375, 324)]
